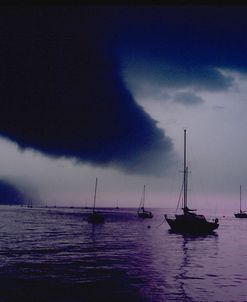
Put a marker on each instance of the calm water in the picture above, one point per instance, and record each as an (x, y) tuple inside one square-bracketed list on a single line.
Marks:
[(55, 255)]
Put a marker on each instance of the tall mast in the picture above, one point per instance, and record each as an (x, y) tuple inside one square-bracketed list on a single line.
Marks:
[(95, 191), (185, 172), (143, 195), (240, 199)]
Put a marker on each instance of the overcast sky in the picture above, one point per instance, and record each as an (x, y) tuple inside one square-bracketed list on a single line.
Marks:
[(106, 91)]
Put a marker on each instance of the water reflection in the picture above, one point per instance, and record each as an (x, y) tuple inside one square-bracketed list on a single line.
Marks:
[(191, 271), (122, 260)]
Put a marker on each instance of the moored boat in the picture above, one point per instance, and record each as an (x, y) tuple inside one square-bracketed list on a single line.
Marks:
[(95, 217), (189, 221), (142, 213), (241, 214)]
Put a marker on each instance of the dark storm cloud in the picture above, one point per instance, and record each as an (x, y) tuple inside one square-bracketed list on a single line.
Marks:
[(185, 46), (61, 92), (187, 98), (9, 194), (189, 36), (61, 85)]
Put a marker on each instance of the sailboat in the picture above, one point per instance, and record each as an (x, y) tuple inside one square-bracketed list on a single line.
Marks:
[(241, 214), (190, 222), (142, 213), (95, 217)]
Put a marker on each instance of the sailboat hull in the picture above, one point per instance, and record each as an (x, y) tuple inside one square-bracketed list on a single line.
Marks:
[(194, 224), (145, 214), (240, 215)]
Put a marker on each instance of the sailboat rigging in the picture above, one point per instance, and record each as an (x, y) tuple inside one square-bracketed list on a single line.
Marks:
[(142, 213), (95, 217), (241, 214), (189, 222)]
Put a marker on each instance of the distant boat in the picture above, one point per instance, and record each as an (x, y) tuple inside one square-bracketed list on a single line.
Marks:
[(190, 222), (117, 207), (95, 217), (241, 214), (142, 213)]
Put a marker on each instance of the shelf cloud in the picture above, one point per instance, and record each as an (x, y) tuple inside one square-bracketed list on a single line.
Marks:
[(62, 94)]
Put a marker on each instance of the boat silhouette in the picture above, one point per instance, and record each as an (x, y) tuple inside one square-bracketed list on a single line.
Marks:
[(142, 213), (95, 217), (189, 221), (241, 214)]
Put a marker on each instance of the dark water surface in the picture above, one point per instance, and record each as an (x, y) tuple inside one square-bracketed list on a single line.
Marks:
[(55, 255)]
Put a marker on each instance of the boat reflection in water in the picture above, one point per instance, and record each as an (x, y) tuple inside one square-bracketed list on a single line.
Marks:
[(190, 268)]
